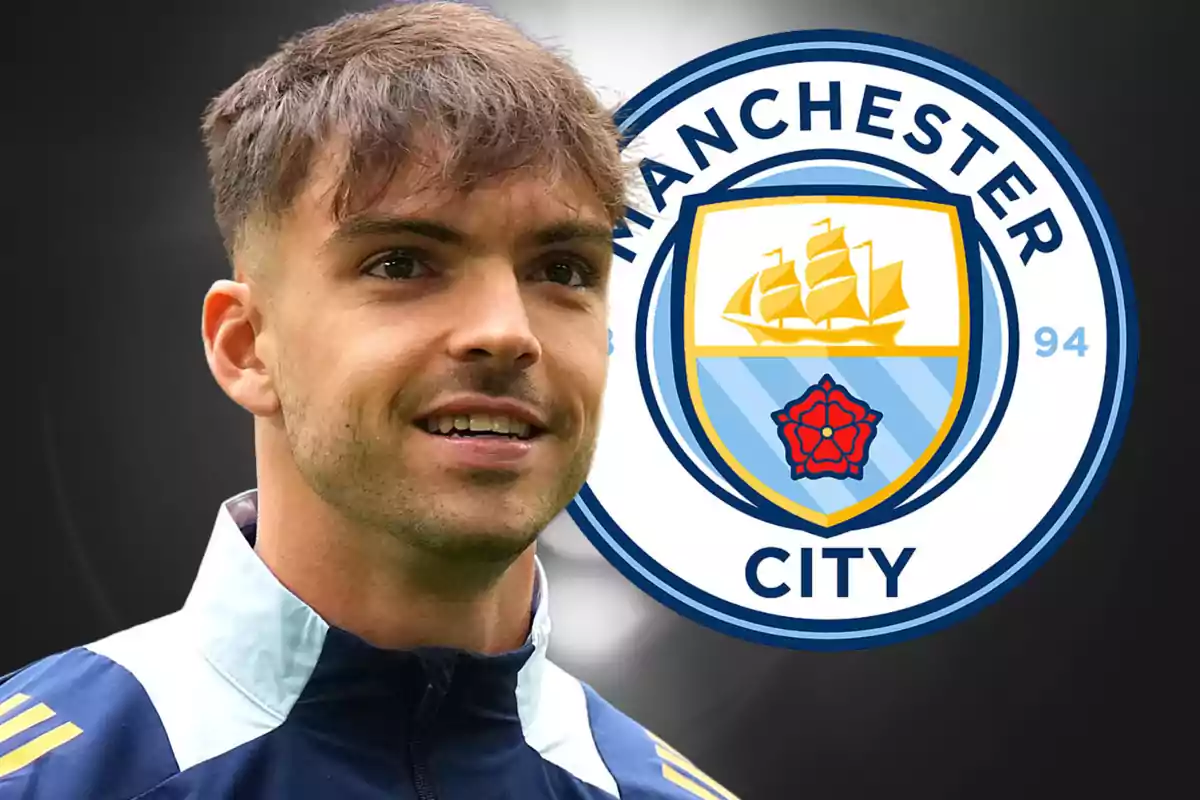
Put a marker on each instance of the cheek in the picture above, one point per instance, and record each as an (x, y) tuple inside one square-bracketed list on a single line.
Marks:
[(363, 365), (579, 366), (383, 365)]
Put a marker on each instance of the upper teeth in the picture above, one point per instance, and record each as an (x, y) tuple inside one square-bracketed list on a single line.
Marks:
[(478, 422)]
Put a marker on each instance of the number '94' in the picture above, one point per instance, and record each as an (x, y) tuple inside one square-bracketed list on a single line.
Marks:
[(1048, 342)]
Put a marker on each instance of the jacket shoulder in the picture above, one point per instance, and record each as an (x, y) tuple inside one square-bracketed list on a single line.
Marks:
[(644, 765), (77, 724), (607, 748)]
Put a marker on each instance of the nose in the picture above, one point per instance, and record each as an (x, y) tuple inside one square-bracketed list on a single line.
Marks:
[(491, 320)]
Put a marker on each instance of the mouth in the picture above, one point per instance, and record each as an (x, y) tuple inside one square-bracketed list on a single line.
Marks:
[(477, 425)]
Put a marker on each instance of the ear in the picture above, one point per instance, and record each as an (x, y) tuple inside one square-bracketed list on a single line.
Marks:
[(234, 346)]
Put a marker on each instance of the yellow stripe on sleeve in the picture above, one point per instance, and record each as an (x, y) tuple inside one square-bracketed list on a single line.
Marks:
[(674, 777), (659, 740), (12, 702), (35, 749), (25, 720), (672, 757)]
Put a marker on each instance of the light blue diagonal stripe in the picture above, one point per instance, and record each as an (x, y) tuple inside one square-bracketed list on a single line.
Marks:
[(901, 419), (945, 369), (920, 386), (747, 393), (886, 452), (764, 459)]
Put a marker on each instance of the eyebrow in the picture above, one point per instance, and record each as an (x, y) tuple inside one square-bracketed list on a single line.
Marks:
[(366, 225), (570, 231)]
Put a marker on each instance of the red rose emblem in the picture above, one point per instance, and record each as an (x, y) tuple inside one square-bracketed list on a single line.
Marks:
[(826, 432)]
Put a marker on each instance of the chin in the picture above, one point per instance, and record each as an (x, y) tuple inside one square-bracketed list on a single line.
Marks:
[(476, 528), (476, 540)]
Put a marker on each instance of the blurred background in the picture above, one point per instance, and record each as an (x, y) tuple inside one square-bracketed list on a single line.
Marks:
[(124, 446)]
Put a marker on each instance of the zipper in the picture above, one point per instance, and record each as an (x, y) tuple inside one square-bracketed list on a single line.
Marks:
[(437, 684)]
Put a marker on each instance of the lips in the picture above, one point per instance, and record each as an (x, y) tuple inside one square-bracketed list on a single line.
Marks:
[(483, 433)]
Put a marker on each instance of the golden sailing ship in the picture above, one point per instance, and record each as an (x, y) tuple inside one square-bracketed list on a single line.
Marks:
[(832, 293)]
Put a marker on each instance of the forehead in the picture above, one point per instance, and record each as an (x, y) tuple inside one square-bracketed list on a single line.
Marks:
[(509, 203)]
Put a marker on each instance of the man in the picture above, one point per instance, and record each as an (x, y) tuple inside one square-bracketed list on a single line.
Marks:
[(418, 204)]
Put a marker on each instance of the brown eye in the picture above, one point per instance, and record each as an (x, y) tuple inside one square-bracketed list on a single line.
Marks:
[(399, 265), (568, 272)]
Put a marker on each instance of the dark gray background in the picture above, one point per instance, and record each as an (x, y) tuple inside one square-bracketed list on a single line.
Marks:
[(123, 446)]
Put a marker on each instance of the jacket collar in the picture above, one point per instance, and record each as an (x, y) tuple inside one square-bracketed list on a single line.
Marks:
[(269, 642)]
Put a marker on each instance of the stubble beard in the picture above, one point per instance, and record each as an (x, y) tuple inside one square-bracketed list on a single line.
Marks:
[(364, 479)]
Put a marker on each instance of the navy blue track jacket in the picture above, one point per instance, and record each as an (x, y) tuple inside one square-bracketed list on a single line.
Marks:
[(247, 693)]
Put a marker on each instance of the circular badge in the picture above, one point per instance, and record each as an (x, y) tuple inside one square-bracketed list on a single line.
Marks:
[(873, 342)]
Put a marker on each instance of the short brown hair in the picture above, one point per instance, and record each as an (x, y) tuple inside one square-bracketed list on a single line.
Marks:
[(389, 80)]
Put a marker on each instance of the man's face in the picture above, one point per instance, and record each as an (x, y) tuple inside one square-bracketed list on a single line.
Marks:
[(440, 358)]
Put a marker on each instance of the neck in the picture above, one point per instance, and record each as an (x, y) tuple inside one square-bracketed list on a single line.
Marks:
[(378, 586)]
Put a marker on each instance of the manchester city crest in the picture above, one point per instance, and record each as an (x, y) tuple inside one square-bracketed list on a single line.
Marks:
[(827, 380), (855, 277)]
